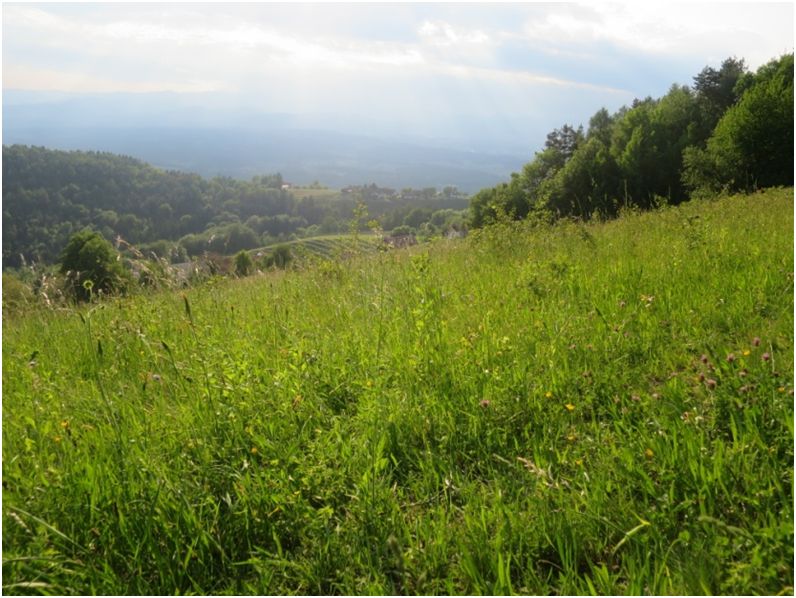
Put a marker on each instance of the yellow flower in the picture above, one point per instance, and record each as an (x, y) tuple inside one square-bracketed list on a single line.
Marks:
[(548, 394), (648, 453), (570, 407), (65, 424), (746, 353), (254, 450)]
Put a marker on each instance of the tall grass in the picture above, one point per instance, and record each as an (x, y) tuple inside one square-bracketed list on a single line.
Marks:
[(578, 409)]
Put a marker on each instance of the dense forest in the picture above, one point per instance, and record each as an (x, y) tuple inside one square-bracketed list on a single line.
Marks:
[(48, 196), (731, 131)]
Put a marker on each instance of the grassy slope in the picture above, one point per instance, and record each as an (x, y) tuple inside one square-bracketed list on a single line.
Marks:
[(316, 193), (520, 412)]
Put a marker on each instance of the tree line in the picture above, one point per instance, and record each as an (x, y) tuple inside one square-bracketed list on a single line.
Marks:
[(49, 196), (732, 130)]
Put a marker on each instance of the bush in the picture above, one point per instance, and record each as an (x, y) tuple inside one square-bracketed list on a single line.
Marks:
[(16, 294), (91, 265), (243, 263)]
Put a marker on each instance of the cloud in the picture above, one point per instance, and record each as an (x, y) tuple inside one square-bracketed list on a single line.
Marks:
[(41, 79), (188, 52), (671, 29), (425, 58), (440, 33), (515, 77)]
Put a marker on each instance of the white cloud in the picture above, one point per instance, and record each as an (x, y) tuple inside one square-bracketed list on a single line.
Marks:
[(519, 78), (306, 63), (42, 79), (440, 33), (713, 30)]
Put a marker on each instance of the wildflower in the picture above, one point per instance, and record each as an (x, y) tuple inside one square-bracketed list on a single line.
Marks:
[(656, 396), (704, 358), (548, 394), (701, 377), (254, 450), (57, 438), (730, 357), (156, 377), (648, 453), (756, 341), (635, 398), (743, 373), (484, 403), (781, 389), (65, 424), (579, 462), (766, 356), (746, 353), (569, 407), (711, 383), (572, 437)]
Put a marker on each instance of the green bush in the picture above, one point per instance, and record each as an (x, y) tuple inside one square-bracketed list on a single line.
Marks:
[(243, 263), (91, 265)]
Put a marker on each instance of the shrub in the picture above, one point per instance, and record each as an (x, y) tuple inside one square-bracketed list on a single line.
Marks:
[(91, 265), (243, 263)]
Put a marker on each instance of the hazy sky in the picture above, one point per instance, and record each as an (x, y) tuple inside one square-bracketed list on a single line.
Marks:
[(413, 65)]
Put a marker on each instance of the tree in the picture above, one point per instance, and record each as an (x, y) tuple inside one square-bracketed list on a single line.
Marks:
[(752, 144), (91, 265), (564, 140), (716, 91)]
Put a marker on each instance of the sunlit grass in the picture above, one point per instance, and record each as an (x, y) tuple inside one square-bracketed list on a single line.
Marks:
[(579, 409)]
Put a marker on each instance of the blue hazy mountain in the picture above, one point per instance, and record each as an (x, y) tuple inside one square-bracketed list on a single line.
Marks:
[(213, 134)]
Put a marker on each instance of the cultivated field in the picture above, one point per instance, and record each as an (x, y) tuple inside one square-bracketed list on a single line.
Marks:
[(328, 246), (575, 409)]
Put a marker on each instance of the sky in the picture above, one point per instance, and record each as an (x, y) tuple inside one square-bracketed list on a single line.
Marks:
[(431, 69)]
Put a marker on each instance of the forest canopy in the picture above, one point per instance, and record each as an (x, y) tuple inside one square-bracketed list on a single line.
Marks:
[(50, 195), (731, 131)]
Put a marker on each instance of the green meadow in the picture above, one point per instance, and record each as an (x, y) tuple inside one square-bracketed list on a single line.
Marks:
[(601, 408)]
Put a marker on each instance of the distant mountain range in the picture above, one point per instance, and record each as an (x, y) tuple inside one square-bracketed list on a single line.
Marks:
[(215, 137)]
